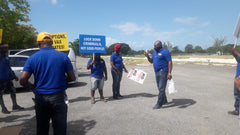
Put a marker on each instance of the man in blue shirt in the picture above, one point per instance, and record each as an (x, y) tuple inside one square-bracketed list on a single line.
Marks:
[(49, 67), (236, 92), (5, 81), (98, 67), (162, 64)]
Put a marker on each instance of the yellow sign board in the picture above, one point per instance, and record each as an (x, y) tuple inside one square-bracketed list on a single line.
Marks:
[(1, 31), (60, 41)]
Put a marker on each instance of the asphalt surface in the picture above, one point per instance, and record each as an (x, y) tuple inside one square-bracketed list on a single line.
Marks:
[(205, 94)]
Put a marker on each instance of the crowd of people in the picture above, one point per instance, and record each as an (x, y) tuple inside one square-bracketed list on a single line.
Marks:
[(49, 87)]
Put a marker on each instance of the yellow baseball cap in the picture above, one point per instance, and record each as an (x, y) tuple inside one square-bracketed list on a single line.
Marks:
[(41, 37)]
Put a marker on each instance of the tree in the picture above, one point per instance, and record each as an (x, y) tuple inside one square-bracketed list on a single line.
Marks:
[(175, 49), (189, 48), (168, 46), (12, 13), (75, 46), (125, 49), (198, 49), (218, 42)]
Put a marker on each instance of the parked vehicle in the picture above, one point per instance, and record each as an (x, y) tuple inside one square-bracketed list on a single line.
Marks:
[(31, 51), (17, 63)]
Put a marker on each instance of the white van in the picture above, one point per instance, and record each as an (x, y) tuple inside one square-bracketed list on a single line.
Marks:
[(70, 53)]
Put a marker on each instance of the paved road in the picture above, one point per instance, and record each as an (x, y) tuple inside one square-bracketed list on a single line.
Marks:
[(205, 94)]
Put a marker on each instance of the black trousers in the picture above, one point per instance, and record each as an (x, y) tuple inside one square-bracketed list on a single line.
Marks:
[(52, 107), (7, 85)]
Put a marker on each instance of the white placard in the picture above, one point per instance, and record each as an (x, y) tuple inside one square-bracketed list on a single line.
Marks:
[(137, 75), (236, 32)]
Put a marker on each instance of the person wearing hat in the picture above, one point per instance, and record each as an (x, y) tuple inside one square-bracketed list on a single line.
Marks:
[(6, 76), (162, 64), (49, 67), (98, 67), (117, 67)]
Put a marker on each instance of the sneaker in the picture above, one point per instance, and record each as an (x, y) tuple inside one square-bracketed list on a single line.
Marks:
[(17, 107), (103, 99), (156, 107), (5, 111), (92, 100), (233, 112)]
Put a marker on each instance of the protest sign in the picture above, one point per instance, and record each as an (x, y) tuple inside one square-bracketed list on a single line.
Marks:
[(60, 41), (92, 44), (137, 75)]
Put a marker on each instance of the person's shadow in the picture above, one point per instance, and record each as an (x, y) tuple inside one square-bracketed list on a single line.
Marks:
[(77, 127), (180, 103)]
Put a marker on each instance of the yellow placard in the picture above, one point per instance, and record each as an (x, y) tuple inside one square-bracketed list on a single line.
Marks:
[(60, 41), (1, 31)]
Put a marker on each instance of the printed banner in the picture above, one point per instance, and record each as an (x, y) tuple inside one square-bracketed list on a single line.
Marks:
[(92, 44), (60, 41), (137, 75)]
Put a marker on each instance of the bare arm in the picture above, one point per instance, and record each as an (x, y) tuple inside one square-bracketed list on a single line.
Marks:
[(112, 64), (105, 72), (24, 80), (70, 76), (125, 68), (235, 53), (90, 65), (169, 76)]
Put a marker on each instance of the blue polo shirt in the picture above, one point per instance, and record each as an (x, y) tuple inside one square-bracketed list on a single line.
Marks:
[(117, 61), (161, 59), (97, 68), (4, 68), (238, 68), (48, 67)]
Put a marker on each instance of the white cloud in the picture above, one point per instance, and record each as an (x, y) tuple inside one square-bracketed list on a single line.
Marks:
[(127, 28), (134, 44), (185, 20), (205, 24), (167, 35), (146, 29), (54, 2), (110, 41)]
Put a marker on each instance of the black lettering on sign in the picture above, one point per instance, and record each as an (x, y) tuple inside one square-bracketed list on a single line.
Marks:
[(57, 41), (59, 47), (58, 36)]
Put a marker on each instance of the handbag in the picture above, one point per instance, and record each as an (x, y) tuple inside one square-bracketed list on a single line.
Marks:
[(171, 87)]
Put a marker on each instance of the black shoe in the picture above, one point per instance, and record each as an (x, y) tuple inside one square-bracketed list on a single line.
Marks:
[(17, 107), (120, 96), (115, 97), (5, 111)]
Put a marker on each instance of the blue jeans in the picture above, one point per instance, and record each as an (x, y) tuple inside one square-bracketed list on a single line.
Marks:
[(161, 79), (116, 82), (53, 107), (237, 98)]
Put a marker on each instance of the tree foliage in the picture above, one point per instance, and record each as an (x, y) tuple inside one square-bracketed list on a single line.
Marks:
[(218, 43), (175, 49), (189, 48), (125, 49), (12, 14)]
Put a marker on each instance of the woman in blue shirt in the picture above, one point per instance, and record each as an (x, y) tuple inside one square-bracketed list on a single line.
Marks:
[(117, 65), (98, 67)]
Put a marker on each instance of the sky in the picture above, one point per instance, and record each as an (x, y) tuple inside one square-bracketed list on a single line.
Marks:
[(139, 23)]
